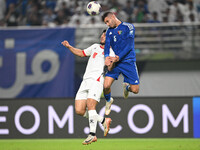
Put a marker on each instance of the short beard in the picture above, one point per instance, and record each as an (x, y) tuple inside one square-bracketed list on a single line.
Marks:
[(102, 43)]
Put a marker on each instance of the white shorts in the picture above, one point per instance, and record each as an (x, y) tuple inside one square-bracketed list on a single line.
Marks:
[(90, 88)]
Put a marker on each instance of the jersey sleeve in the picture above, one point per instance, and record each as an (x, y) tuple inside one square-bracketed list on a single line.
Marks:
[(112, 53), (88, 51), (128, 39), (129, 31), (107, 44)]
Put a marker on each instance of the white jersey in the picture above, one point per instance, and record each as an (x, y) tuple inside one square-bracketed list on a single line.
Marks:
[(96, 61)]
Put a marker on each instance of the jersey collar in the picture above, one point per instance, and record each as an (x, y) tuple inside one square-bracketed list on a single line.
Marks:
[(101, 46)]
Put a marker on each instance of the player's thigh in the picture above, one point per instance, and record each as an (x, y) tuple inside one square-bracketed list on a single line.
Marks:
[(82, 91), (130, 73), (111, 76), (108, 82), (81, 99), (91, 104), (95, 90), (80, 106)]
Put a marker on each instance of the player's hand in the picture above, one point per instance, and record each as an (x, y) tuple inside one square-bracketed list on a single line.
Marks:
[(111, 66), (66, 44), (115, 59), (108, 61)]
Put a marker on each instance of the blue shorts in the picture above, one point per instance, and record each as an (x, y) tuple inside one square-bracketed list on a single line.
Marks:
[(129, 71)]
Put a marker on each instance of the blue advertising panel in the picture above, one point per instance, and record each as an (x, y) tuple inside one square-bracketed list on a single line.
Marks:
[(196, 117), (33, 63)]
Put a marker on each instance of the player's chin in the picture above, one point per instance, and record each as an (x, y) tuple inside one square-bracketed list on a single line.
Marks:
[(102, 43)]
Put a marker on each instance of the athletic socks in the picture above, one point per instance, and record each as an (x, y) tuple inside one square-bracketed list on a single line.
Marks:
[(107, 97), (99, 118), (92, 120), (127, 87), (103, 121)]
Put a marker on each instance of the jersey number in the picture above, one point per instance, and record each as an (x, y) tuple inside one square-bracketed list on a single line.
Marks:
[(94, 55), (115, 39)]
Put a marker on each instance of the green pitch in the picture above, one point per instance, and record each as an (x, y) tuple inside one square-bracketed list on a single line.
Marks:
[(101, 144)]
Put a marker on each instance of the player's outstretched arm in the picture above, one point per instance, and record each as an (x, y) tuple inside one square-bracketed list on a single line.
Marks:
[(75, 51)]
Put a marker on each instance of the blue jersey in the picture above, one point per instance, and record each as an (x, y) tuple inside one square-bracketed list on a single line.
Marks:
[(121, 39)]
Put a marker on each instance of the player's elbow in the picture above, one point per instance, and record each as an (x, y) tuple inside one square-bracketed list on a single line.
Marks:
[(81, 55)]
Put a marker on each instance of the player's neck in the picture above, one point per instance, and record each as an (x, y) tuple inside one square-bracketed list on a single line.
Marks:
[(118, 22), (102, 46)]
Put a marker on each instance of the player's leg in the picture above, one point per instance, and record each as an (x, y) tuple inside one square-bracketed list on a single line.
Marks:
[(108, 81), (107, 87), (131, 78), (81, 100), (134, 88), (91, 105), (93, 117), (94, 95), (107, 94), (130, 88), (80, 107), (93, 98)]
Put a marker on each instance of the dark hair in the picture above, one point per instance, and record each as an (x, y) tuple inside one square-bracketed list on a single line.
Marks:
[(104, 31), (106, 15)]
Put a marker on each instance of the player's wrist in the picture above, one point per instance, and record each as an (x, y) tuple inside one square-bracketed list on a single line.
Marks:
[(106, 55)]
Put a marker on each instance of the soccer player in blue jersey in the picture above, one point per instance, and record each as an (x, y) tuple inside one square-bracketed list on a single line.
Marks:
[(120, 37)]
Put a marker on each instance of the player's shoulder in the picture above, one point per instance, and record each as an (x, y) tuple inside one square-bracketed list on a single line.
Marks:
[(92, 47), (95, 45), (109, 31), (127, 25)]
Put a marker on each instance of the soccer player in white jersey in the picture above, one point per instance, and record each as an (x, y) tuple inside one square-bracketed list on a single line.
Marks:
[(91, 87)]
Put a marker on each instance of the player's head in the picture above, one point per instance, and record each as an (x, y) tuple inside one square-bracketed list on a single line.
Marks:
[(103, 37), (110, 19)]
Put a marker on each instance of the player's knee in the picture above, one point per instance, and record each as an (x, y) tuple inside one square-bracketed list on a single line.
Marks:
[(79, 111), (106, 87), (134, 89), (91, 106)]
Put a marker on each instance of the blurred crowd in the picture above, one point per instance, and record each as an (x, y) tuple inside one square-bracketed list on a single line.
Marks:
[(73, 13)]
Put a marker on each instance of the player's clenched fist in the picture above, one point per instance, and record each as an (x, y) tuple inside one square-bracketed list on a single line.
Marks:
[(115, 59), (66, 44), (109, 60)]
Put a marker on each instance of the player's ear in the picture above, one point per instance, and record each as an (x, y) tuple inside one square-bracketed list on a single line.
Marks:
[(113, 15)]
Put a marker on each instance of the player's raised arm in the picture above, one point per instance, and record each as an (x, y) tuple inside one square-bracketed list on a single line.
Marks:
[(75, 51)]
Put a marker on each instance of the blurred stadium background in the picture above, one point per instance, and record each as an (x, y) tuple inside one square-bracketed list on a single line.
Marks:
[(39, 77)]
